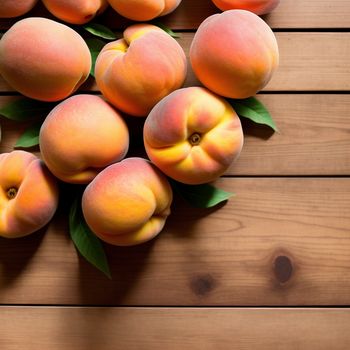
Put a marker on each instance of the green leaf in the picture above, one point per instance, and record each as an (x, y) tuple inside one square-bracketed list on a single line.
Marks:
[(201, 196), (254, 110), (30, 137), (95, 47), (25, 109), (88, 245), (166, 29), (100, 30)]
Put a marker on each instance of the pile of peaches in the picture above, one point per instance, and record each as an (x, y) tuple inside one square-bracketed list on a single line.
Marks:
[(191, 135)]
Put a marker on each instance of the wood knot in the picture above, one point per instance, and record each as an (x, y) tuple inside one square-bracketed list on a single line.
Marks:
[(203, 284), (283, 268)]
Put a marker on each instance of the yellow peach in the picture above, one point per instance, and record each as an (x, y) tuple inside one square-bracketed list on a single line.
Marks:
[(144, 10), (234, 53), (76, 11), (136, 72), (193, 135), (128, 202), (28, 194), (81, 136), (44, 59), (15, 8), (259, 7)]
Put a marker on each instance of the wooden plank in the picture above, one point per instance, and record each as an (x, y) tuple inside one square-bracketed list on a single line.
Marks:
[(314, 132), (313, 138), (289, 14), (309, 61), (175, 328), (280, 241)]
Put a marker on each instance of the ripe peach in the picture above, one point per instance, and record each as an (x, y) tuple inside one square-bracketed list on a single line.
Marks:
[(76, 11), (28, 194), (144, 10), (128, 202), (234, 53), (81, 136), (259, 7), (43, 59), (11, 8), (136, 72), (193, 135)]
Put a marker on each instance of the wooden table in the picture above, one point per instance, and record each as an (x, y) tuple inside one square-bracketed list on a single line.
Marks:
[(268, 270)]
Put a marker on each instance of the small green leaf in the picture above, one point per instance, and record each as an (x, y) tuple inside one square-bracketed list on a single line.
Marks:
[(88, 245), (95, 47), (166, 29), (100, 31), (201, 196), (254, 110), (30, 137), (25, 109)]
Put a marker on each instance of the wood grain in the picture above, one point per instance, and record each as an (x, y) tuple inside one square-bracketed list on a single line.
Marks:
[(289, 14), (164, 328), (309, 61), (313, 139), (280, 241)]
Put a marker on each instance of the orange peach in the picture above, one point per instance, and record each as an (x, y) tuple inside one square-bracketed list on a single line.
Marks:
[(136, 72), (81, 136), (76, 11), (234, 53), (259, 7), (144, 10), (44, 59), (193, 135), (28, 194), (15, 8), (128, 202)]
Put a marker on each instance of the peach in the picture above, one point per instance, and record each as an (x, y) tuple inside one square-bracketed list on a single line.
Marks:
[(193, 135), (136, 72), (234, 53), (43, 59), (259, 7), (11, 8), (144, 10), (28, 194), (81, 136), (128, 202), (76, 11)]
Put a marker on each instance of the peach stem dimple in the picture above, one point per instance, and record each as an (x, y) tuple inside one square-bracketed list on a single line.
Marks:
[(195, 139), (11, 193)]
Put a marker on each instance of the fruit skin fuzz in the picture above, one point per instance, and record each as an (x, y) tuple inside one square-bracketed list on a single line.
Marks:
[(81, 136), (193, 135), (136, 72), (43, 59), (259, 7), (75, 11), (28, 194), (15, 8), (128, 202), (234, 53), (144, 10)]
